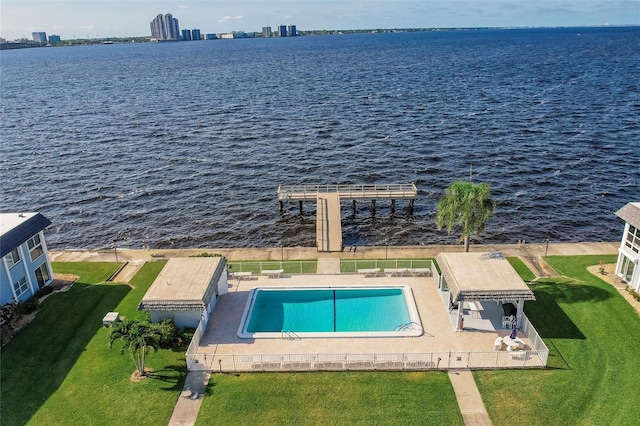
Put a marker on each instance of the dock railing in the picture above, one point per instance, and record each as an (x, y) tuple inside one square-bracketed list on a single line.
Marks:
[(366, 191)]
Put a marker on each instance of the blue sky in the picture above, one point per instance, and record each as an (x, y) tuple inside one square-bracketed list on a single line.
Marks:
[(119, 18)]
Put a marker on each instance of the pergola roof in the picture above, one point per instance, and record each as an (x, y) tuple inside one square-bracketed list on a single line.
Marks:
[(482, 276), (630, 213), (184, 284)]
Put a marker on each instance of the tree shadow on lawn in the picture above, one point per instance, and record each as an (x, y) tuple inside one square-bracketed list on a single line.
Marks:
[(177, 375), (48, 348), (551, 321), (173, 375), (549, 318)]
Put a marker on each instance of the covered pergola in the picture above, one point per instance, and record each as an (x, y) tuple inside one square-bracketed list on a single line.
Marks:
[(472, 277)]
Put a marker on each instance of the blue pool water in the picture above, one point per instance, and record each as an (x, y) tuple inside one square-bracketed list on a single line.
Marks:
[(326, 310)]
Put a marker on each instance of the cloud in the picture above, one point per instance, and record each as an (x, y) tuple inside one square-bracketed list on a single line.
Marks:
[(183, 7), (86, 27), (230, 18)]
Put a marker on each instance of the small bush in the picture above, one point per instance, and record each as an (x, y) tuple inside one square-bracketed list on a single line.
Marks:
[(169, 335), (205, 254), (187, 334), (633, 293), (43, 292), (25, 308)]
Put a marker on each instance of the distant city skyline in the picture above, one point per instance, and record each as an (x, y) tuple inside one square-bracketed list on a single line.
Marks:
[(117, 18)]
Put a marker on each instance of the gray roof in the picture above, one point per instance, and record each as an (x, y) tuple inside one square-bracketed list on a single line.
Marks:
[(16, 228), (630, 214), (184, 284), (482, 276)]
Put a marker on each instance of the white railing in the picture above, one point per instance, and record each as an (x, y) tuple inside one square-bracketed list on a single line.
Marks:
[(411, 265), (308, 192), (536, 341), (289, 266), (322, 219), (360, 362), (192, 350)]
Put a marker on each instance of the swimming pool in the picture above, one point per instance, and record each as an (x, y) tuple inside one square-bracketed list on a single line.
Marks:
[(330, 312)]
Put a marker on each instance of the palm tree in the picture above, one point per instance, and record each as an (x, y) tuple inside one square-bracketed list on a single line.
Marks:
[(466, 206), (139, 336)]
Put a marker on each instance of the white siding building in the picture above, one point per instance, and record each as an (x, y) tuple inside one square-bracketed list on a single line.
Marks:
[(186, 290), (25, 262), (629, 251)]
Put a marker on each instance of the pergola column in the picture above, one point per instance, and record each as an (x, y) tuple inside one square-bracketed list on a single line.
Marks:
[(520, 308)]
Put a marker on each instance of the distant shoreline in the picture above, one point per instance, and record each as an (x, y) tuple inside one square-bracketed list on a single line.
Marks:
[(9, 45)]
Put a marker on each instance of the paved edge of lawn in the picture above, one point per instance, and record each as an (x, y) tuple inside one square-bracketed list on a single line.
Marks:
[(188, 404), (468, 396)]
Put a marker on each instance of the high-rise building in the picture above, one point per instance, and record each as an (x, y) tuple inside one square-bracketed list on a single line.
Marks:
[(292, 31), (195, 34), (186, 35), (54, 38), (39, 37), (165, 28), (282, 30), (266, 32)]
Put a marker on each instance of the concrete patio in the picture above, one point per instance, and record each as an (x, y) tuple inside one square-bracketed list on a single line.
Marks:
[(220, 342)]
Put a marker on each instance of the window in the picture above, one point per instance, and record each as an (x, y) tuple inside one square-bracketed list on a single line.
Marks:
[(633, 239), (35, 247), (20, 286), (42, 275), (12, 257)]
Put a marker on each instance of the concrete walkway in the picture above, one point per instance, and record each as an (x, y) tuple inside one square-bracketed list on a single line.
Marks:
[(328, 266), (128, 272), (187, 407), (469, 399)]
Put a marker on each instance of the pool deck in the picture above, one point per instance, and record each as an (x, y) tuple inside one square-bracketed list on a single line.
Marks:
[(439, 334)]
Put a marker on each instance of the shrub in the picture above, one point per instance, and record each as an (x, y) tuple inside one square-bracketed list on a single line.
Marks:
[(43, 292), (187, 334), (633, 293), (169, 336), (205, 254), (25, 308), (8, 313)]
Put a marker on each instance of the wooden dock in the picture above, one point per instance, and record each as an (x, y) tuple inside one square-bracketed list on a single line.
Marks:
[(328, 224), (327, 197)]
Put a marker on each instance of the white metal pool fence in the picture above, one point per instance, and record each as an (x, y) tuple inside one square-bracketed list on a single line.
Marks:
[(289, 266), (365, 362), (353, 265)]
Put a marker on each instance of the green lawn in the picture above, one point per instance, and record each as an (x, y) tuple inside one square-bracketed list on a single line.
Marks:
[(59, 370), (521, 268), (353, 398), (592, 333)]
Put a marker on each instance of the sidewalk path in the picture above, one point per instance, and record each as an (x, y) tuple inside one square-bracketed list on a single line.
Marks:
[(187, 407), (469, 400)]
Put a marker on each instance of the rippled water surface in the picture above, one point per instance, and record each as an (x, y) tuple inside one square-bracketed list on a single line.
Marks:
[(184, 144)]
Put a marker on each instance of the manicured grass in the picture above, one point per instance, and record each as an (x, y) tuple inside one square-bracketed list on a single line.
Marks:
[(362, 398), (592, 333), (90, 272), (521, 268), (348, 266), (59, 370), (36, 361)]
